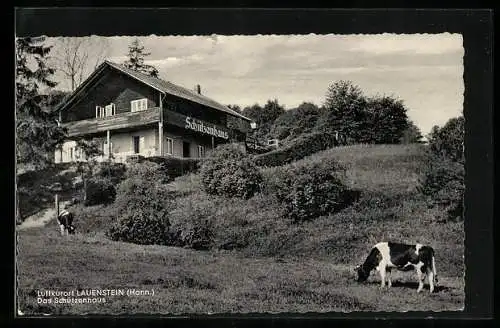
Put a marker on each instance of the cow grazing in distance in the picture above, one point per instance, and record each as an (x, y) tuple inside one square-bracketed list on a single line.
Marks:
[(65, 220), (385, 256)]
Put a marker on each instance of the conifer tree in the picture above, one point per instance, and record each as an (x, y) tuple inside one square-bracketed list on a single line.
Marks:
[(37, 131), (135, 60)]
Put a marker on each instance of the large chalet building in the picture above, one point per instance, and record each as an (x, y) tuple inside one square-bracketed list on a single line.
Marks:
[(132, 113)]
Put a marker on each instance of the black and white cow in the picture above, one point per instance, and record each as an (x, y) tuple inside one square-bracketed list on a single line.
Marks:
[(65, 220), (385, 256)]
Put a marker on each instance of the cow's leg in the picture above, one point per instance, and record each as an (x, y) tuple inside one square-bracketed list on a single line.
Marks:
[(382, 275), (61, 226), (420, 278), (389, 282), (430, 275)]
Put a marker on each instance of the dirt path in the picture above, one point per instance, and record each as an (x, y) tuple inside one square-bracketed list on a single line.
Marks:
[(39, 219)]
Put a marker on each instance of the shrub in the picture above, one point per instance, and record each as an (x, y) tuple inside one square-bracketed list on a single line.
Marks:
[(192, 223), (230, 172), (143, 203), (204, 221), (299, 148), (307, 190), (93, 218), (443, 184), (99, 191), (114, 172)]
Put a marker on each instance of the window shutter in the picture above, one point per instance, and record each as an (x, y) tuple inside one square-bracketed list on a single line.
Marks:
[(142, 143)]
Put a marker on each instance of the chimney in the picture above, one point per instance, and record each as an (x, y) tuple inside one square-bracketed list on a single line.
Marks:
[(198, 89)]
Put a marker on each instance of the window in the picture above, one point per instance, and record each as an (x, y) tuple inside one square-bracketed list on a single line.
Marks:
[(170, 146), (201, 151), (99, 111), (110, 109), (139, 105), (71, 153)]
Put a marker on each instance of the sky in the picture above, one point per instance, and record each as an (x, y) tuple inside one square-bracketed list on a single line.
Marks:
[(425, 71)]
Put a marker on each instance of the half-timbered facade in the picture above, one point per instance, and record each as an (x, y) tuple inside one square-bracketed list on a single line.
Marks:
[(132, 113)]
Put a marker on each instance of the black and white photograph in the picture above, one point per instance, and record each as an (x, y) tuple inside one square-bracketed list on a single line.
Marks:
[(237, 174)]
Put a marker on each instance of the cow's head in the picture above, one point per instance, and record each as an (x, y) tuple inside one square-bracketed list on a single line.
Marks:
[(362, 273)]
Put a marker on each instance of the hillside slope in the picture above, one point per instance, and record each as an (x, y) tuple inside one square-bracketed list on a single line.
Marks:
[(283, 267)]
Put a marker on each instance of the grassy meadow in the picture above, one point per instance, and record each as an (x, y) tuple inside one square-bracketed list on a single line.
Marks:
[(262, 262)]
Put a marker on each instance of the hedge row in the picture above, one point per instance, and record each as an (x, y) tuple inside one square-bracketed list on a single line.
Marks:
[(301, 147)]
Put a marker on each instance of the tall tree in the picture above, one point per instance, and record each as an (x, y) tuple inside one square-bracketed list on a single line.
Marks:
[(443, 178), (296, 121), (37, 131), (385, 121), (264, 117), (344, 110), (78, 57), (136, 54), (448, 141), (253, 112)]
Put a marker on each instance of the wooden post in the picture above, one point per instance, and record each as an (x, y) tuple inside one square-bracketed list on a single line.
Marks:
[(160, 138), (108, 137), (57, 205), (213, 143), (160, 127)]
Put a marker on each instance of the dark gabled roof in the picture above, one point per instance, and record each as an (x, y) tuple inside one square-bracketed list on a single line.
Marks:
[(160, 85)]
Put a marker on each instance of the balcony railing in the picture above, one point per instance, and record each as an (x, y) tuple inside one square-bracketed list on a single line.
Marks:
[(118, 121)]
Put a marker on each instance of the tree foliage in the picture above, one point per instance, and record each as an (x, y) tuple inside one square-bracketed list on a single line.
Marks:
[(448, 141), (385, 121), (362, 119), (444, 175), (411, 134), (344, 112), (37, 131), (296, 121), (264, 117), (136, 55)]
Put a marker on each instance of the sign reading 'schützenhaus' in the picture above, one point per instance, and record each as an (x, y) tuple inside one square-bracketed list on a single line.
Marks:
[(203, 127)]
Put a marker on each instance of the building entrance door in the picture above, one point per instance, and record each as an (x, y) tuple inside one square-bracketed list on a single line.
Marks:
[(136, 144), (185, 149)]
